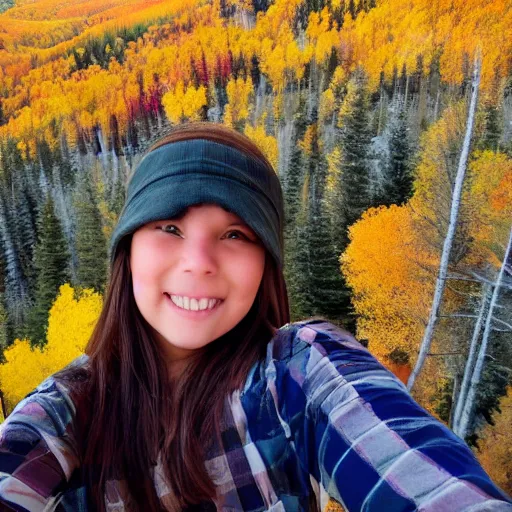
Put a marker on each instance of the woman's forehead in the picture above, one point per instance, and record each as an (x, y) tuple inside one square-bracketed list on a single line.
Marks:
[(221, 213)]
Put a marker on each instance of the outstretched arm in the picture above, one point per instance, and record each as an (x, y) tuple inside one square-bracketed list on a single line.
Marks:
[(366, 442)]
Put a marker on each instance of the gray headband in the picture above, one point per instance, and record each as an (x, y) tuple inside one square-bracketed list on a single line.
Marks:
[(180, 174)]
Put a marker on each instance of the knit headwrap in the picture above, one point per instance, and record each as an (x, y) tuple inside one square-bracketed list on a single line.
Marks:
[(180, 174)]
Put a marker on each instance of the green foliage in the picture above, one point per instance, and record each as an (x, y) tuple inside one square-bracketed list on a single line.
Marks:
[(398, 186), (91, 246), (312, 271), (6, 4), (51, 264), (111, 44), (493, 128), (354, 141), (294, 226), (444, 401)]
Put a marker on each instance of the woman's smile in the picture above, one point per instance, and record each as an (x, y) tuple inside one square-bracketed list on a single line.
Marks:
[(190, 312)]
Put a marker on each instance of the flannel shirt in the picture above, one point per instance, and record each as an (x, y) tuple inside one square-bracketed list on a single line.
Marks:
[(320, 415)]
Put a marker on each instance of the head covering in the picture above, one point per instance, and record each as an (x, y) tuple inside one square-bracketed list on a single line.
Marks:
[(180, 174)]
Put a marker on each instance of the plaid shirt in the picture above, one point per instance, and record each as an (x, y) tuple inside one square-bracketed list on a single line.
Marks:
[(319, 415)]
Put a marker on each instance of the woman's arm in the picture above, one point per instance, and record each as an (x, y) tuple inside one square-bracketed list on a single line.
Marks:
[(365, 441), (37, 455)]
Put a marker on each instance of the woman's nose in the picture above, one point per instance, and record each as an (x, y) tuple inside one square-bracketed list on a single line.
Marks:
[(199, 256)]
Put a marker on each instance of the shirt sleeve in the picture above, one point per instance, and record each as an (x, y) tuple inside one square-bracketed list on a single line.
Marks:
[(37, 455), (364, 441)]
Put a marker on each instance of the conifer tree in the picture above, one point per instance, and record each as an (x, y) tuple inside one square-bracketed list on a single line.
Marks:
[(313, 274), (493, 128), (399, 180), (51, 262), (354, 141), (294, 231), (91, 246), (329, 297)]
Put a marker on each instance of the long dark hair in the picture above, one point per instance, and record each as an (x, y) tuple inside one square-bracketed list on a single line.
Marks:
[(129, 412)]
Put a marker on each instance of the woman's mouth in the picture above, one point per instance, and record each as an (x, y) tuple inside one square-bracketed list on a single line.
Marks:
[(179, 304)]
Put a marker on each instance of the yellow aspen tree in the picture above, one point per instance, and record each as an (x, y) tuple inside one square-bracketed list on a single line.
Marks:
[(24, 368), (70, 325), (384, 265), (240, 95), (267, 143), (489, 201)]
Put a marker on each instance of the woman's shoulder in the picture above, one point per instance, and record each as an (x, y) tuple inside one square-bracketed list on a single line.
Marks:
[(38, 436), (296, 340), (52, 400), (316, 350)]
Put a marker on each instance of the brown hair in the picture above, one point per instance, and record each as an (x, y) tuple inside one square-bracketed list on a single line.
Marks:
[(129, 412)]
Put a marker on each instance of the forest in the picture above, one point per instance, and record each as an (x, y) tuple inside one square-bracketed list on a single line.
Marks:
[(389, 124)]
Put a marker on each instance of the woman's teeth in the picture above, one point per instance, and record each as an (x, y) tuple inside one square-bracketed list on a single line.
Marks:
[(194, 304)]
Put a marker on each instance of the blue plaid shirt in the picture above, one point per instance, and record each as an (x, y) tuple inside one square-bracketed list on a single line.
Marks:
[(320, 416)]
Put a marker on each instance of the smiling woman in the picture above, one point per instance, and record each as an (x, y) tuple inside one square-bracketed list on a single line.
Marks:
[(195, 260), (177, 407)]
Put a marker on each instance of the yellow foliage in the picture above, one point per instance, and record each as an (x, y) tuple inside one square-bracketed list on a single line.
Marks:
[(71, 322), (333, 170), (307, 141), (382, 264), (240, 93), (23, 370), (184, 104), (267, 143), (490, 201), (495, 452)]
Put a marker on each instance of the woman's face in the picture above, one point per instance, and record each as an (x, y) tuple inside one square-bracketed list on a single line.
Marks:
[(208, 253)]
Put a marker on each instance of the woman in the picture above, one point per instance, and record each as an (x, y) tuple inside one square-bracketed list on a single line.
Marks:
[(197, 393)]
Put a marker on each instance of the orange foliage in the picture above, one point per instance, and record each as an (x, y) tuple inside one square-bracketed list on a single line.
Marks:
[(395, 33), (495, 452)]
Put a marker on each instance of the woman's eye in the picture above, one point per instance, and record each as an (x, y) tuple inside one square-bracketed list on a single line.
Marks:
[(169, 228), (238, 233)]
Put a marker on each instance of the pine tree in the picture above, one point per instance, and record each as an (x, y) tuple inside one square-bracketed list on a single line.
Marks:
[(16, 235), (399, 180), (91, 245), (51, 258), (493, 128), (354, 141), (294, 231), (313, 274)]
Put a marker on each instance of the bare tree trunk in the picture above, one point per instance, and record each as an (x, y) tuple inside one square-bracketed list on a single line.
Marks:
[(475, 379), (470, 363), (448, 241), (381, 108), (2, 402), (455, 393), (406, 94)]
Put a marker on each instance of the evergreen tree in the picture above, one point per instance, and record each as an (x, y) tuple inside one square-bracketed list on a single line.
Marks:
[(294, 230), (51, 264), (354, 141), (316, 284), (329, 297), (91, 245), (493, 128), (16, 236), (398, 186)]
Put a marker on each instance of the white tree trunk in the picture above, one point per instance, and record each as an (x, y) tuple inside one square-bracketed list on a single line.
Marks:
[(448, 241), (470, 363), (475, 379)]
